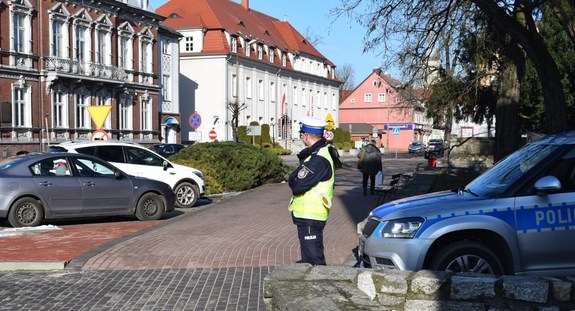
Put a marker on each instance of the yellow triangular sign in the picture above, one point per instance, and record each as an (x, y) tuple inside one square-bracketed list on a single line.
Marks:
[(99, 114), (329, 121)]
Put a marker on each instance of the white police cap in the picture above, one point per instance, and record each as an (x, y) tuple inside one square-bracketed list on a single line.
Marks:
[(312, 125)]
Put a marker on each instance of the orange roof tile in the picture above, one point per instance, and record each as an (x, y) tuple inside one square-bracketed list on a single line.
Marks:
[(217, 15)]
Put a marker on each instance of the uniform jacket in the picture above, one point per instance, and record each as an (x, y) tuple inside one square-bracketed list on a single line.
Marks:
[(314, 174)]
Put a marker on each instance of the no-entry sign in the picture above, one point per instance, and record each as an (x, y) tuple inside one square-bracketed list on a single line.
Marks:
[(212, 135)]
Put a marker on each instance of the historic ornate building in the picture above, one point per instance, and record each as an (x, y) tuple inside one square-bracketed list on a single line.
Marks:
[(57, 58)]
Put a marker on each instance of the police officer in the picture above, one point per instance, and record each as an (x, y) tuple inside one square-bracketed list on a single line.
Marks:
[(312, 189)]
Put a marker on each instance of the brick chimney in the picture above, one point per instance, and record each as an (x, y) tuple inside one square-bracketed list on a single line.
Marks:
[(246, 4)]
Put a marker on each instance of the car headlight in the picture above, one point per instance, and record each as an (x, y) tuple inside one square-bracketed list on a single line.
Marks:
[(199, 173), (404, 228)]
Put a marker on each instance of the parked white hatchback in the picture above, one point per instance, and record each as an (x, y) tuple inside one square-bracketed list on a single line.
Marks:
[(136, 160)]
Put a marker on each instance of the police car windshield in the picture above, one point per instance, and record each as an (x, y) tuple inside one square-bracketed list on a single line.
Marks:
[(507, 172)]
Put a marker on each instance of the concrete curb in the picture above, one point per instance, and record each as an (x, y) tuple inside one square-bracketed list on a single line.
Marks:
[(32, 265)]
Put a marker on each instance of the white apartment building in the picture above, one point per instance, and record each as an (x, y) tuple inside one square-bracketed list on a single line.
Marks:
[(230, 53)]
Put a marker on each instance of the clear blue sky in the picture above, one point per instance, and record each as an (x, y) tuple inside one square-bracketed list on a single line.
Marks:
[(341, 42)]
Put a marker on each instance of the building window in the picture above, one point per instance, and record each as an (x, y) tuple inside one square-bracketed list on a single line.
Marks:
[(189, 44), (272, 92), (284, 60), (59, 111), (367, 97), (272, 55), (126, 46), (234, 85), (146, 115), (101, 47), (57, 39), (20, 33), (123, 52), (165, 47), (248, 87), (381, 97), (260, 89), (82, 101), (21, 110), (166, 87), (260, 52), (145, 65), (126, 112), (80, 43), (234, 44), (248, 50)]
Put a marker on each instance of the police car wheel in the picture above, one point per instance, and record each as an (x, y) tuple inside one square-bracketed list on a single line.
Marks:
[(467, 256)]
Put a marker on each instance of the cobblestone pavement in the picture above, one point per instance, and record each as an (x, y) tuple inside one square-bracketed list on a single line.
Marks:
[(214, 259)]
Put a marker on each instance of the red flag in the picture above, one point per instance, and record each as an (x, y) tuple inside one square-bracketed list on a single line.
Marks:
[(283, 104)]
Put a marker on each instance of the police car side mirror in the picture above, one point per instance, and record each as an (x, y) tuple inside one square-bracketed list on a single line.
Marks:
[(547, 184)]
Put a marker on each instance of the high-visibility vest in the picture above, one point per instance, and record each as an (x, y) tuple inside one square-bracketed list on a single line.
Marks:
[(315, 203)]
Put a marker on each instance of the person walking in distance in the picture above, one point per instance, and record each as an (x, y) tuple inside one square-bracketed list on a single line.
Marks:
[(369, 164), (312, 185)]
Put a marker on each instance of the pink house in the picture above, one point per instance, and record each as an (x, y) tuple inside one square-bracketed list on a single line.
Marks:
[(382, 105)]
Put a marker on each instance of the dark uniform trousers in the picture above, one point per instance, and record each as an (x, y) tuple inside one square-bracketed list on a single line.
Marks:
[(310, 234)]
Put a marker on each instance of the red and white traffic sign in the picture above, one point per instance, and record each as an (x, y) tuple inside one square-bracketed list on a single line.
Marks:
[(99, 135), (212, 135), (328, 135)]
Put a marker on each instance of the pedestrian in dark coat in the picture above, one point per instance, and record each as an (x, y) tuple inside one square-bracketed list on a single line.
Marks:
[(369, 164)]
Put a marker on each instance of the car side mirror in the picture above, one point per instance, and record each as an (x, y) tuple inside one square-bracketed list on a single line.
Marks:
[(165, 164), (547, 184), (117, 174)]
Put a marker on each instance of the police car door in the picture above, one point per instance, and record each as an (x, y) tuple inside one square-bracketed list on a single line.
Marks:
[(546, 221)]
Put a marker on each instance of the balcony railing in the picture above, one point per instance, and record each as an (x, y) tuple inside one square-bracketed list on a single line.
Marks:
[(88, 69)]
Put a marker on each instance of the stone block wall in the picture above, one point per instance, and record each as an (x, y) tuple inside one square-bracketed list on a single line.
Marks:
[(304, 287)]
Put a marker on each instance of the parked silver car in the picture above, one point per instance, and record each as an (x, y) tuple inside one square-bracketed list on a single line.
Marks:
[(35, 187), (188, 183), (516, 218)]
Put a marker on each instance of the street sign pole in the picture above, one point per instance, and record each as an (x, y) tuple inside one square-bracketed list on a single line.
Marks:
[(396, 131)]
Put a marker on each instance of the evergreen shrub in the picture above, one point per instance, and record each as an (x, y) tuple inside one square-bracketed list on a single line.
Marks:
[(231, 167)]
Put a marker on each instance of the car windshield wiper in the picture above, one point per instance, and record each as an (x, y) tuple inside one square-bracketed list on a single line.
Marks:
[(461, 190)]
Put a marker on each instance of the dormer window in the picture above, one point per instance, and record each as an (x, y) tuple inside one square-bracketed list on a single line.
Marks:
[(272, 55), (284, 60), (189, 43), (260, 51), (234, 44), (248, 50)]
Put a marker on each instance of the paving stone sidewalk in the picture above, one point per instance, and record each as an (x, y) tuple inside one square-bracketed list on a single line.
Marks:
[(215, 259)]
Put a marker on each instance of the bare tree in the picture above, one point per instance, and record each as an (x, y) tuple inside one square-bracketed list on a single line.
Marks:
[(235, 108), (346, 75), (416, 26), (311, 37)]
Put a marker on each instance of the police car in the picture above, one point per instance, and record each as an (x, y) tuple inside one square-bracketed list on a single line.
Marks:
[(516, 218)]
